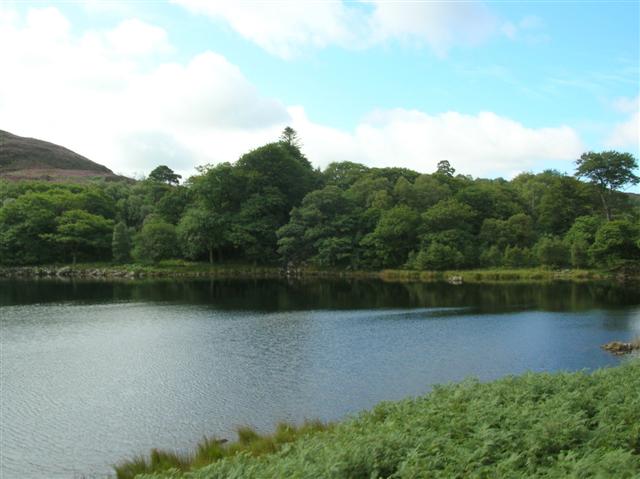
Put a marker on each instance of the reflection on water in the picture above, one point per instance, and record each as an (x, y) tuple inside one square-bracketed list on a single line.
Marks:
[(94, 372)]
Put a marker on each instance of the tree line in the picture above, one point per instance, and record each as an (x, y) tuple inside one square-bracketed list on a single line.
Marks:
[(272, 207)]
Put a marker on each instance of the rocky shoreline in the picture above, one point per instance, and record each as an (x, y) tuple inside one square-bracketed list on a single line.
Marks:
[(139, 271), (111, 273)]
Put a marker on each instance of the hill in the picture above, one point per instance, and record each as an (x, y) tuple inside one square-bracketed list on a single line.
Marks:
[(24, 158)]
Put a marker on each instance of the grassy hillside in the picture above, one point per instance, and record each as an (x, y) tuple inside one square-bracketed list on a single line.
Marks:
[(29, 158), (535, 425)]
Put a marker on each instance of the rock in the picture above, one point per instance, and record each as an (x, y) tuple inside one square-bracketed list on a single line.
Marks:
[(65, 271), (618, 347)]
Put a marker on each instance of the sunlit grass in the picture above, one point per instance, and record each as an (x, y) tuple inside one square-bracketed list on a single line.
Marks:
[(210, 450)]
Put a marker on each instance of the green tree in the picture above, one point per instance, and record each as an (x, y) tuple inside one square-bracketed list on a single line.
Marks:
[(80, 232), (164, 174), (552, 251), (616, 241), (289, 136), (201, 232), (157, 240), (437, 257), (580, 237), (448, 214), (394, 236), (121, 243), (444, 168), (517, 257), (609, 171), (23, 223)]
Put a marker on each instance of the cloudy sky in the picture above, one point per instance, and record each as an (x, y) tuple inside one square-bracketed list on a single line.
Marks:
[(495, 88)]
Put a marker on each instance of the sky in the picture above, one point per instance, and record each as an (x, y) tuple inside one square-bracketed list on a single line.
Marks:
[(495, 88)]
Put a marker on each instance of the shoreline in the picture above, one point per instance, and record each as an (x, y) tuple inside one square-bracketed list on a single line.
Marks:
[(185, 270)]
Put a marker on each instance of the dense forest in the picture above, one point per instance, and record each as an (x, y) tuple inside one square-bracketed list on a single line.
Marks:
[(272, 207)]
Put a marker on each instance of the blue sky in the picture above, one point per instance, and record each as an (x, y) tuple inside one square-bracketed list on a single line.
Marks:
[(494, 87)]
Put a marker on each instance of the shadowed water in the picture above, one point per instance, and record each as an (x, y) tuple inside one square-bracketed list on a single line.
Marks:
[(92, 373)]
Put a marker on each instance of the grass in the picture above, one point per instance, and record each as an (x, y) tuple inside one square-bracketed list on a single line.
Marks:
[(497, 275), (575, 425), (211, 450)]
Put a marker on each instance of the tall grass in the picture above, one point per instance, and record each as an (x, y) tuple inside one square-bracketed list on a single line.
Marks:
[(210, 450)]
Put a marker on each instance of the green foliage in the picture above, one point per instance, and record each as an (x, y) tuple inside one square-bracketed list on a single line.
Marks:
[(164, 174), (552, 251), (394, 236), (271, 207), (80, 232), (438, 256), (201, 232), (121, 243), (448, 214), (517, 257), (157, 240), (535, 425), (616, 241), (609, 171)]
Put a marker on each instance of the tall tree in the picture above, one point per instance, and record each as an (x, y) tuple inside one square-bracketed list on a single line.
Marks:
[(164, 174), (289, 136), (609, 171)]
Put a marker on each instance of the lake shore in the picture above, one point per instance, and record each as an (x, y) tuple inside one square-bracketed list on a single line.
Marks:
[(536, 424), (183, 269)]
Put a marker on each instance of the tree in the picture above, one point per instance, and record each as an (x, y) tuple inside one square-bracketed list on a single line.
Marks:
[(202, 232), (616, 241), (121, 243), (438, 256), (164, 174), (445, 168), (394, 236), (551, 251), (609, 171), (289, 137), (79, 231), (156, 241)]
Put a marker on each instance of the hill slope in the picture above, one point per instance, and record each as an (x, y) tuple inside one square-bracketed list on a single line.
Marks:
[(30, 158)]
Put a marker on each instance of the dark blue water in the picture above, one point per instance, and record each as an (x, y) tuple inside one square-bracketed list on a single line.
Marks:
[(92, 373)]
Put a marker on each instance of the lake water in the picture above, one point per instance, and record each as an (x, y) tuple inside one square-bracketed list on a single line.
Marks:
[(92, 373)]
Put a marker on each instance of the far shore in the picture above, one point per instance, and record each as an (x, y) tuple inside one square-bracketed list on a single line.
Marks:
[(183, 269)]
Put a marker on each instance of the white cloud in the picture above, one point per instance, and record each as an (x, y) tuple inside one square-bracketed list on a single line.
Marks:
[(286, 28), (85, 93), (133, 37), (439, 25), (482, 145), (95, 94), (626, 135), (282, 27)]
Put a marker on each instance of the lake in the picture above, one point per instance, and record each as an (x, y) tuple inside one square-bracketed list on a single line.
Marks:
[(95, 372)]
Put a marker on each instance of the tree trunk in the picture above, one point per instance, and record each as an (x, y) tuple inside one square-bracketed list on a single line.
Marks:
[(607, 213), (74, 258), (210, 254)]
